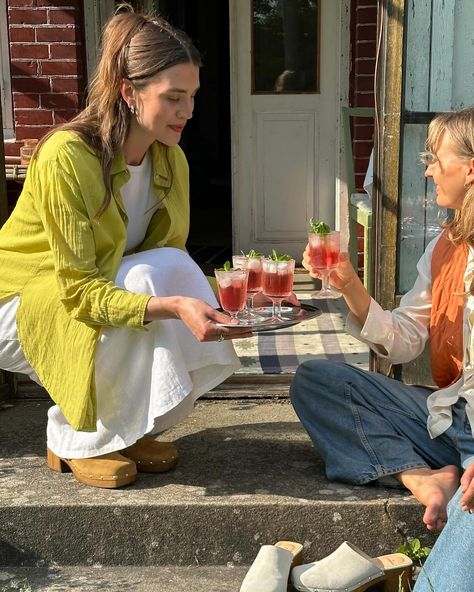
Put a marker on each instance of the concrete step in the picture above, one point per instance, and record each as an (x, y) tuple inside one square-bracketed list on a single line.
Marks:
[(248, 475), (118, 579)]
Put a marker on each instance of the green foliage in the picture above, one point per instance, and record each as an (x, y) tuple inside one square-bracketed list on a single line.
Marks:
[(226, 267), (319, 227), (252, 254), (278, 256), (18, 585), (414, 550)]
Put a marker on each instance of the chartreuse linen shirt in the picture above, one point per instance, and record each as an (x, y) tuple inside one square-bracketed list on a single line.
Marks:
[(62, 261)]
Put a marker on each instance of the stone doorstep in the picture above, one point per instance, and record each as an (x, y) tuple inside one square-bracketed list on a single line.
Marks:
[(120, 579), (248, 475)]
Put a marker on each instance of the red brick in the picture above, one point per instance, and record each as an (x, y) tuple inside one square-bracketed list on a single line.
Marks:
[(33, 117), (359, 180), (31, 131), (64, 3), (65, 52), (366, 32), (22, 34), (364, 49), (31, 50), (365, 66), (364, 83), (363, 132), (18, 16), (64, 85), (25, 101), (23, 68), (63, 17), (364, 100), (21, 3), (362, 149), (12, 148), (64, 116), (366, 14), (60, 101), (49, 68), (61, 34), (30, 85)]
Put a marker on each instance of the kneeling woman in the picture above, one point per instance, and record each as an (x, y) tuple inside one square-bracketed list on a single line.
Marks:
[(99, 301)]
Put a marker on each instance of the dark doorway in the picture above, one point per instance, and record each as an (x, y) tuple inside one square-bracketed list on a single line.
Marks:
[(206, 139)]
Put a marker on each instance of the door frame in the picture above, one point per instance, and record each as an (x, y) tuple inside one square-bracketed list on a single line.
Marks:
[(343, 49)]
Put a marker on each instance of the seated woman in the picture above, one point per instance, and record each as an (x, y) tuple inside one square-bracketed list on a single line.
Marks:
[(367, 426), (99, 301)]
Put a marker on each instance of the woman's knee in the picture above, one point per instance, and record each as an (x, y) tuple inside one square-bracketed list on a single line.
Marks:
[(315, 377)]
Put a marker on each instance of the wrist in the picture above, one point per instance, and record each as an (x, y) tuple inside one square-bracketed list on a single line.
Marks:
[(350, 283)]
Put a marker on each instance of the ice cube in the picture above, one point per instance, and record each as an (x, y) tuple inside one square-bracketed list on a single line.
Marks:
[(225, 282)]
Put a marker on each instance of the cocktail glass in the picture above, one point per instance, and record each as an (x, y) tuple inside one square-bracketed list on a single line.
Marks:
[(277, 283), (324, 250), (254, 266), (232, 288)]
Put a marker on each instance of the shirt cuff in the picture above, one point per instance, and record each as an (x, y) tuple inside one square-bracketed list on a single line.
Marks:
[(376, 331)]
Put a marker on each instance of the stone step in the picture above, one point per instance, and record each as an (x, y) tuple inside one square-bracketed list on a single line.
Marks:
[(119, 579), (248, 475)]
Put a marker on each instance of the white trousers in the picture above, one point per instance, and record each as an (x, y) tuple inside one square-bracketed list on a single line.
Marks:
[(146, 380)]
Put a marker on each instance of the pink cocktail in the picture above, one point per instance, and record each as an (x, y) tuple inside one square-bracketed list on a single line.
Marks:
[(254, 268), (324, 251), (277, 282), (232, 288)]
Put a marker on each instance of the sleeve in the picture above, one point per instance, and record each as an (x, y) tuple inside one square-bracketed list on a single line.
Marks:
[(400, 335), (86, 294)]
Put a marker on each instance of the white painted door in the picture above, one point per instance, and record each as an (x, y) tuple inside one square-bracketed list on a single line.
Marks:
[(286, 149)]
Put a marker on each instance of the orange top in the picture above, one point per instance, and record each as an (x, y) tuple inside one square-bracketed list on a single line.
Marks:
[(448, 265)]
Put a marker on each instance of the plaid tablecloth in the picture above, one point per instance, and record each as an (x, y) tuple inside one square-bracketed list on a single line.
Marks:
[(280, 352)]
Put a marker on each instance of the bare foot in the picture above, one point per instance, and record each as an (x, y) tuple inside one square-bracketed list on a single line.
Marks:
[(433, 489)]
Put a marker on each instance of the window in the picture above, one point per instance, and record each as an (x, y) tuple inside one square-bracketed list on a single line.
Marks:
[(5, 79), (285, 41)]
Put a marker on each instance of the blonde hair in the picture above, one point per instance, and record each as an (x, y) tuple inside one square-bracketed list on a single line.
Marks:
[(137, 47), (460, 127)]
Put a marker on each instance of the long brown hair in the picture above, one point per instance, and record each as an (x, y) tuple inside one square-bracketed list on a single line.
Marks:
[(460, 127), (135, 46)]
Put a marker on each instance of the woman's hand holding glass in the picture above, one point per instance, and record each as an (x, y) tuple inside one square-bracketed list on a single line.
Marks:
[(340, 277)]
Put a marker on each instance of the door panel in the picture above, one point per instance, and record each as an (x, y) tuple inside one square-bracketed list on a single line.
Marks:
[(285, 145)]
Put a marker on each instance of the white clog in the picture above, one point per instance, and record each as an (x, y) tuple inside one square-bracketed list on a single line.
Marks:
[(348, 569)]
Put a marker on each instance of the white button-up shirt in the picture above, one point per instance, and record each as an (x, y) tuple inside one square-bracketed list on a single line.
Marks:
[(403, 332)]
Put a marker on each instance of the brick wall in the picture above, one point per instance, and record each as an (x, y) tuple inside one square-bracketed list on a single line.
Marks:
[(363, 35), (47, 65)]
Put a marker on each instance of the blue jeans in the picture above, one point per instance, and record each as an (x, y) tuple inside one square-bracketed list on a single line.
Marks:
[(367, 426), (450, 565)]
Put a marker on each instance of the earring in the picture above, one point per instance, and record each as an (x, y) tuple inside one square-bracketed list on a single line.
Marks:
[(132, 109)]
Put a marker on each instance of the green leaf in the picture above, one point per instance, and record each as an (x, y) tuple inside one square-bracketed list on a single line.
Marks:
[(253, 254), (279, 256), (226, 267), (319, 227)]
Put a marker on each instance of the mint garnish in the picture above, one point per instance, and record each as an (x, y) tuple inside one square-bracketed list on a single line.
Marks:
[(278, 256), (226, 267), (319, 227), (252, 254)]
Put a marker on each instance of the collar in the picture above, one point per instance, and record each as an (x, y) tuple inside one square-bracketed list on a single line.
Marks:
[(161, 168)]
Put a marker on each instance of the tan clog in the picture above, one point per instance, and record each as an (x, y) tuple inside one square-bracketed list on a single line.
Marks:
[(152, 456), (109, 471)]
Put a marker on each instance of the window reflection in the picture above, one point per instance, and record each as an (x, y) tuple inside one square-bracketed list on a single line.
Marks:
[(285, 46)]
